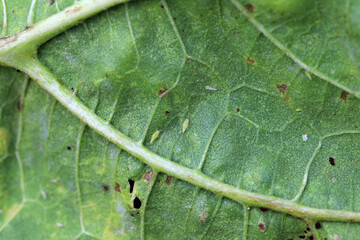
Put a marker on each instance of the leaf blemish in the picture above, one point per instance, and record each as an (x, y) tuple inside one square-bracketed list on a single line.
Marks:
[(282, 88), (210, 88), (263, 209), (318, 225), (238, 109), (162, 92), (131, 184), (203, 216), (167, 112), (68, 148), (343, 96), (185, 125), (154, 136), (52, 2), (332, 161), (137, 203), (249, 7), (149, 175), (168, 180), (105, 187), (117, 187), (261, 226), (251, 61)]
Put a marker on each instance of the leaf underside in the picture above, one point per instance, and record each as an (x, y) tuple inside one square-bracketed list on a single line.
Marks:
[(253, 119)]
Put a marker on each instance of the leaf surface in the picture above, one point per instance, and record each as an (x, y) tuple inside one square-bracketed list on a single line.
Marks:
[(255, 119)]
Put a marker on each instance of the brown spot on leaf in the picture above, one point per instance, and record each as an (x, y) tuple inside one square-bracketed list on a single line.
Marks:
[(117, 187), (264, 209), (287, 98), (168, 180), (343, 96), (203, 216), (249, 60), (238, 109), (282, 88), (167, 112), (68, 148), (149, 175), (261, 226), (162, 92), (249, 7), (105, 187)]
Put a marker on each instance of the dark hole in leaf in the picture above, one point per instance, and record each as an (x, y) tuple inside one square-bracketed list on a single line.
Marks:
[(282, 88), (131, 183), (311, 237), (308, 229), (344, 95), (162, 6), (117, 187), (302, 236), (52, 2), (105, 187), (168, 180), (264, 209), (238, 109), (261, 226), (332, 161), (17, 70), (249, 7), (305, 231), (317, 225), (68, 148), (137, 203), (167, 112)]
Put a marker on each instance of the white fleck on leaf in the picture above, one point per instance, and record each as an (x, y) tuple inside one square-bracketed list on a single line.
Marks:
[(304, 137), (59, 225), (210, 88), (43, 194), (154, 136), (185, 125)]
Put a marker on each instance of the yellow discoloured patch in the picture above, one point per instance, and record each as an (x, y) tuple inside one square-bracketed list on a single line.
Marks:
[(185, 125), (154, 136), (12, 211)]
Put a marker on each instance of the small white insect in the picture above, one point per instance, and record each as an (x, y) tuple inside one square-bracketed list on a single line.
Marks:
[(210, 88), (154, 136), (304, 137), (185, 125)]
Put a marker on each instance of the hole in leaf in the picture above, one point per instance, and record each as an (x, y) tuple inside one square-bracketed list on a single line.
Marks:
[(131, 184), (332, 161), (68, 148), (162, 6), (167, 112), (317, 225), (311, 237), (302, 236), (238, 109), (137, 203), (52, 2)]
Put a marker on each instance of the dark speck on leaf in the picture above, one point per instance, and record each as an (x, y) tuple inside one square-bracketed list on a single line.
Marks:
[(117, 187), (332, 161), (249, 7), (261, 226), (302, 236), (19, 105), (52, 2), (72, 90), (162, 92), (250, 60), (131, 184), (149, 175), (105, 187), (343, 96), (317, 225), (168, 180), (238, 109), (311, 237), (68, 148), (162, 6), (13, 11), (167, 112), (282, 88)]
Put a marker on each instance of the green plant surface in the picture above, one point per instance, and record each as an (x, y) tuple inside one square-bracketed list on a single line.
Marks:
[(218, 119)]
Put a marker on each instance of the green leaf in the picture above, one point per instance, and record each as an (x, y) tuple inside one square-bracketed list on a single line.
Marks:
[(236, 120)]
